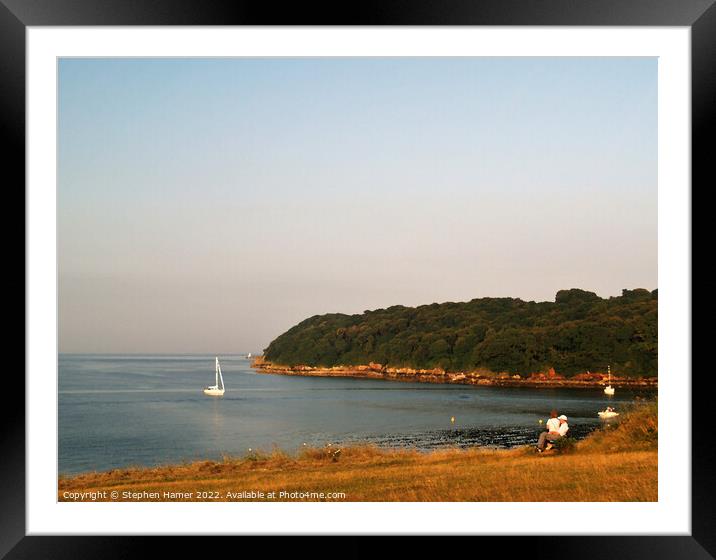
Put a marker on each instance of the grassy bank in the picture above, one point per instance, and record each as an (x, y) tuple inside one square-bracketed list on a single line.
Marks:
[(613, 464)]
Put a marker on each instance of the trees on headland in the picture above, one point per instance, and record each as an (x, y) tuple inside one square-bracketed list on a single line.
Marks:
[(577, 332)]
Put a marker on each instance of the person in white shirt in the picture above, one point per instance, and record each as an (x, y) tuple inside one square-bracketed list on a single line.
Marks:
[(556, 430), (553, 422), (551, 433), (563, 426)]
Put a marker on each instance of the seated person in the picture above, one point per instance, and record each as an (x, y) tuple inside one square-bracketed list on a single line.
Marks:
[(557, 428)]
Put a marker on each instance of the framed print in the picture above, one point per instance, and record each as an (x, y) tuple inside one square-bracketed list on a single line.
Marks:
[(403, 274)]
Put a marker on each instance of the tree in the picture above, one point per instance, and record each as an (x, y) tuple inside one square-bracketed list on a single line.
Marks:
[(577, 332)]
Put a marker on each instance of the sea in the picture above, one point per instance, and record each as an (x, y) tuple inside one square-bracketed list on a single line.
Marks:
[(119, 411)]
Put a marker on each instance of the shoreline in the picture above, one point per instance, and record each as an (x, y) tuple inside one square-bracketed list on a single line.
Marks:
[(367, 473), (439, 376)]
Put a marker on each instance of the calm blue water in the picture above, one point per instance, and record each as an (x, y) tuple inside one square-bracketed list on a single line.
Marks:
[(121, 410)]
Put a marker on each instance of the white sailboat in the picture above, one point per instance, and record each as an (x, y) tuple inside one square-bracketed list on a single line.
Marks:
[(216, 390), (248, 355), (609, 390)]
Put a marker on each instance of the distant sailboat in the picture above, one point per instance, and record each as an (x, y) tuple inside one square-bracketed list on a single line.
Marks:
[(216, 390), (248, 355), (609, 390)]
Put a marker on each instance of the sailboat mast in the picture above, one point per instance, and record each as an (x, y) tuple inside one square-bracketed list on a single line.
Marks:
[(217, 372)]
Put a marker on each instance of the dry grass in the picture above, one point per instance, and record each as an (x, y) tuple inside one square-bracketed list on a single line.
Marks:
[(638, 430), (622, 460)]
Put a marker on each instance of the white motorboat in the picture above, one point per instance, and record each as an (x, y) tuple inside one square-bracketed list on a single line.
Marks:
[(608, 413), (216, 390)]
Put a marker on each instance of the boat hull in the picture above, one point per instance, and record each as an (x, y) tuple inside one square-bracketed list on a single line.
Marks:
[(214, 392), (607, 414)]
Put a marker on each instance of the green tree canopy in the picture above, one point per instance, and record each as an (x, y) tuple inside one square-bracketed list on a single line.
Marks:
[(577, 332)]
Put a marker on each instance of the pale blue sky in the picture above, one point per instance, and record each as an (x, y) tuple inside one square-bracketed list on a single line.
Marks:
[(207, 205)]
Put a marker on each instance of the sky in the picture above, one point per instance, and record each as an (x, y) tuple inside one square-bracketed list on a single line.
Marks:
[(208, 205)]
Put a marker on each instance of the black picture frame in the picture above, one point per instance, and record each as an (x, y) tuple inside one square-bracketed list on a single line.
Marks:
[(17, 15)]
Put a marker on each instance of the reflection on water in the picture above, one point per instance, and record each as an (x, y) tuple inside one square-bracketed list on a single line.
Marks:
[(144, 410)]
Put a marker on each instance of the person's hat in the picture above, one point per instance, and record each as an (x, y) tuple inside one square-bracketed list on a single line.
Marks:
[(563, 417)]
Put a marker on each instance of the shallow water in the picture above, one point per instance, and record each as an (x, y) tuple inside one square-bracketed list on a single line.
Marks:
[(121, 410)]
